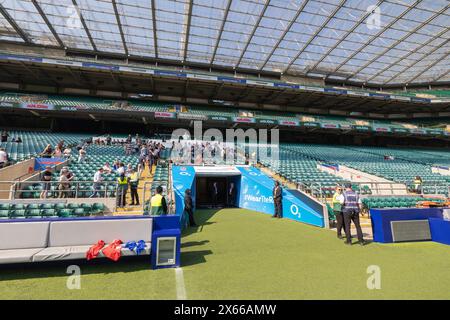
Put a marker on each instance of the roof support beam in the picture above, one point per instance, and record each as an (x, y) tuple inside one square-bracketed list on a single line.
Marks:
[(441, 76), (155, 38), (188, 30), (375, 36), (363, 18), (420, 26), (266, 5), (49, 25), (119, 25), (88, 33), (300, 10), (225, 16), (13, 24), (341, 4)]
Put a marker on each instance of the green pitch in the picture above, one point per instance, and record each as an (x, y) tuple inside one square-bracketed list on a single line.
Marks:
[(240, 254)]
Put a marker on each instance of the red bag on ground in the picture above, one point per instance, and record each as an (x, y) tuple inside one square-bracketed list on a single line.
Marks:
[(95, 250), (114, 250)]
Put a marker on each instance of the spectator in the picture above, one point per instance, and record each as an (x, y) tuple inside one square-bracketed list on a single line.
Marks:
[(107, 168), (63, 185), (98, 179), (108, 140), (46, 179), (67, 152), (338, 200), (5, 136), (48, 151), (277, 200), (121, 169), (18, 140), (418, 184), (3, 158), (82, 155), (57, 153)]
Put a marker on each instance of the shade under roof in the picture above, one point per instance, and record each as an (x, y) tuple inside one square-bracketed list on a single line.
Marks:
[(368, 41)]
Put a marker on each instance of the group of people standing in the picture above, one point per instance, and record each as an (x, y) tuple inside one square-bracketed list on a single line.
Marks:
[(347, 207)]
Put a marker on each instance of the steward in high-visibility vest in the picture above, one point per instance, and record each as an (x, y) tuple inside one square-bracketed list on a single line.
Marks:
[(338, 200), (121, 194), (158, 203), (418, 184)]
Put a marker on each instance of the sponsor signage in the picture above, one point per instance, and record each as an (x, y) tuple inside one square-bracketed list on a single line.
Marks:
[(361, 128), (231, 80), (310, 124), (260, 83), (315, 89), (418, 131), (336, 91), (346, 126), (435, 132), (136, 70), (329, 125), (285, 85), (288, 122), (7, 104), (191, 116), (400, 130), (166, 115), (266, 121), (420, 100), (201, 77), (216, 171), (62, 62), (99, 66), (401, 98), (244, 120), (379, 95), (357, 93), (170, 73), (36, 106), (219, 118), (382, 129)]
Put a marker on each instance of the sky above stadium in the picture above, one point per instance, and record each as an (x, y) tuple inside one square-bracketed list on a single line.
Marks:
[(366, 41)]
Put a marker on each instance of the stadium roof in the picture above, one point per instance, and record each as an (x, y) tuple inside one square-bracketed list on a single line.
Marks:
[(370, 41)]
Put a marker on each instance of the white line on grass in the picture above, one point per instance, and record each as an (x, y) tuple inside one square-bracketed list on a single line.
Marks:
[(181, 290)]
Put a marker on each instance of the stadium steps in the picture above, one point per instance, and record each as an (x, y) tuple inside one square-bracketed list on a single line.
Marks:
[(146, 176)]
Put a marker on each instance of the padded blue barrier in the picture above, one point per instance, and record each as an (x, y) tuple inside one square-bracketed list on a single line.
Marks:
[(183, 178), (440, 230), (381, 220), (256, 194)]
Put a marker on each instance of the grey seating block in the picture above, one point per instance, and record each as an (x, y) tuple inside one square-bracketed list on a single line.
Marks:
[(88, 232), (17, 255), (77, 252), (23, 235)]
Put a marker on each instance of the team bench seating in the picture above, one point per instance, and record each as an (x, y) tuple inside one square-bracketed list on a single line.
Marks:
[(69, 239)]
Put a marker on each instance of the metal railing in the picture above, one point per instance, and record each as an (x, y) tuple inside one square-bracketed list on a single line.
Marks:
[(54, 189)]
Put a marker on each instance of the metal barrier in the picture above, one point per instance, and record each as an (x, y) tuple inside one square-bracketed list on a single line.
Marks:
[(55, 189)]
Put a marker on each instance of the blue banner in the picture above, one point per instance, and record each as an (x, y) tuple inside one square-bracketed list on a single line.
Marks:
[(256, 194), (183, 178), (41, 163)]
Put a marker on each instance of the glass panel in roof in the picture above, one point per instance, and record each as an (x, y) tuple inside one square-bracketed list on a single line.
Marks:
[(171, 25), (137, 25), (102, 24), (30, 21), (64, 17)]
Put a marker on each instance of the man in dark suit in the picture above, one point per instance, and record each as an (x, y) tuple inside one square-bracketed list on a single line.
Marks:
[(231, 195), (277, 199), (188, 207)]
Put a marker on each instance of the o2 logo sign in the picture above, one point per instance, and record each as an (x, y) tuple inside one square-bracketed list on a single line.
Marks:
[(295, 210), (374, 19)]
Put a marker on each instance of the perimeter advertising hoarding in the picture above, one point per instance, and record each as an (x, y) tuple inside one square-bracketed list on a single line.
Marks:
[(165, 115)]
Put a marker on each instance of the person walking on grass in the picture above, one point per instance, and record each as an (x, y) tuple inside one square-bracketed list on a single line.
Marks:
[(351, 210), (338, 200), (188, 207)]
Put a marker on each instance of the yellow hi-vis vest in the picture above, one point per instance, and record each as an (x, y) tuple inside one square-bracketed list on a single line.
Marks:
[(156, 205), (122, 183), (337, 206)]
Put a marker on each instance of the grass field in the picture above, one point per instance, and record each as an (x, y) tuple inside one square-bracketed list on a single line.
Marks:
[(240, 254)]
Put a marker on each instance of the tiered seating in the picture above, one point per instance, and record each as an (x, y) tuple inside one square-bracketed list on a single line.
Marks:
[(302, 169), (394, 202), (371, 160), (49, 210), (97, 156), (33, 143)]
